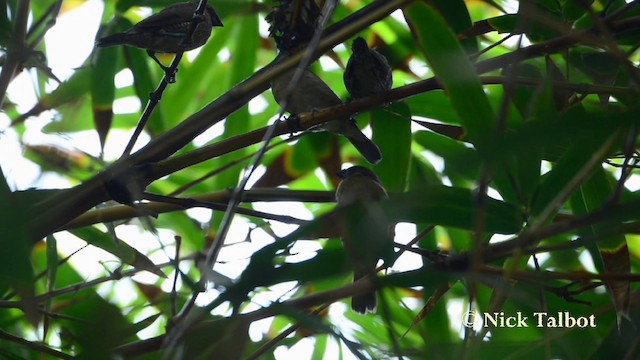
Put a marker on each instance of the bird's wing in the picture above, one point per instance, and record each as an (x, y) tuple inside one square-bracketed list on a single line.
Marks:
[(171, 15)]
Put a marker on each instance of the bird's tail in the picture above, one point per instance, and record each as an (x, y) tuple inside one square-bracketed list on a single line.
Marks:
[(363, 303), (112, 40), (365, 146)]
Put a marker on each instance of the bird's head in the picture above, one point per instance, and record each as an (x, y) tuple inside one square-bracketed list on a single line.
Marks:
[(359, 45), (357, 171)]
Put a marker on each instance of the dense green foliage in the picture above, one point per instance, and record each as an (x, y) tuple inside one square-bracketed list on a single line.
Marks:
[(509, 144)]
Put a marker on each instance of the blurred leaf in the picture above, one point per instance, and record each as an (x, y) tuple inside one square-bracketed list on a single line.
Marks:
[(297, 161), (103, 89), (73, 163), (524, 96), (456, 207), (68, 92), (96, 313), (433, 105), (392, 133), (548, 145), (6, 27), (421, 172), (573, 10), (15, 269), (456, 14), (199, 82), (613, 252), (459, 161), (223, 339), (535, 17), (120, 249), (320, 348), (576, 165), (505, 23)]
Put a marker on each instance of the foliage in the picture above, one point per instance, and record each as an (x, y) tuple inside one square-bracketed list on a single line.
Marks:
[(509, 143)]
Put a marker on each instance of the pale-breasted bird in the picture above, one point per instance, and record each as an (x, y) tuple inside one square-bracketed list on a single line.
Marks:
[(165, 32), (310, 93), (368, 72), (367, 236)]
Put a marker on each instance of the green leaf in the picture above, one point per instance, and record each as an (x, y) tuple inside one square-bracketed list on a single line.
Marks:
[(103, 90), (6, 26), (454, 70), (613, 251), (239, 121), (421, 172), (392, 133), (15, 268), (535, 16), (95, 312), (457, 16), (320, 347), (460, 162), (118, 248), (144, 83), (504, 24), (573, 10), (223, 339), (199, 82), (433, 105), (69, 92), (572, 169), (455, 207)]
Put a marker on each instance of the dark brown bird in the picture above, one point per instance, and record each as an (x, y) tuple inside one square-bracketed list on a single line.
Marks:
[(365, 238), (165, 31), (311, 93), (368, 72)]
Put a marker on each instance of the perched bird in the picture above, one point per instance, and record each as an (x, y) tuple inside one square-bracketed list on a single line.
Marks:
[(165, 31), (366, 238), (368, 72), (311, 93)]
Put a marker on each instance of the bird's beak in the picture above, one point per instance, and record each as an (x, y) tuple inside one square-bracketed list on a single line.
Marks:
[(215, 19)]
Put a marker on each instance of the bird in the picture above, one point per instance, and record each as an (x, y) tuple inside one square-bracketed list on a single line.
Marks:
[(165, 31), (365, 238), (310, 93), (367, 72)]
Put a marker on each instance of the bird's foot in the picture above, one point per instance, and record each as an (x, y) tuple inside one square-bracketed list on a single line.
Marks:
[(293, 123), (170, 75)]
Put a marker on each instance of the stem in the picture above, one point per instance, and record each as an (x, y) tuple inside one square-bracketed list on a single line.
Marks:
[(16, 48)]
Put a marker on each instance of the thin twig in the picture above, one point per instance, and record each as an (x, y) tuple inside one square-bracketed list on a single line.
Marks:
[(174, 292), (226, 166), (123, 212), (51, 13), (34, 346), (86, 284)]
